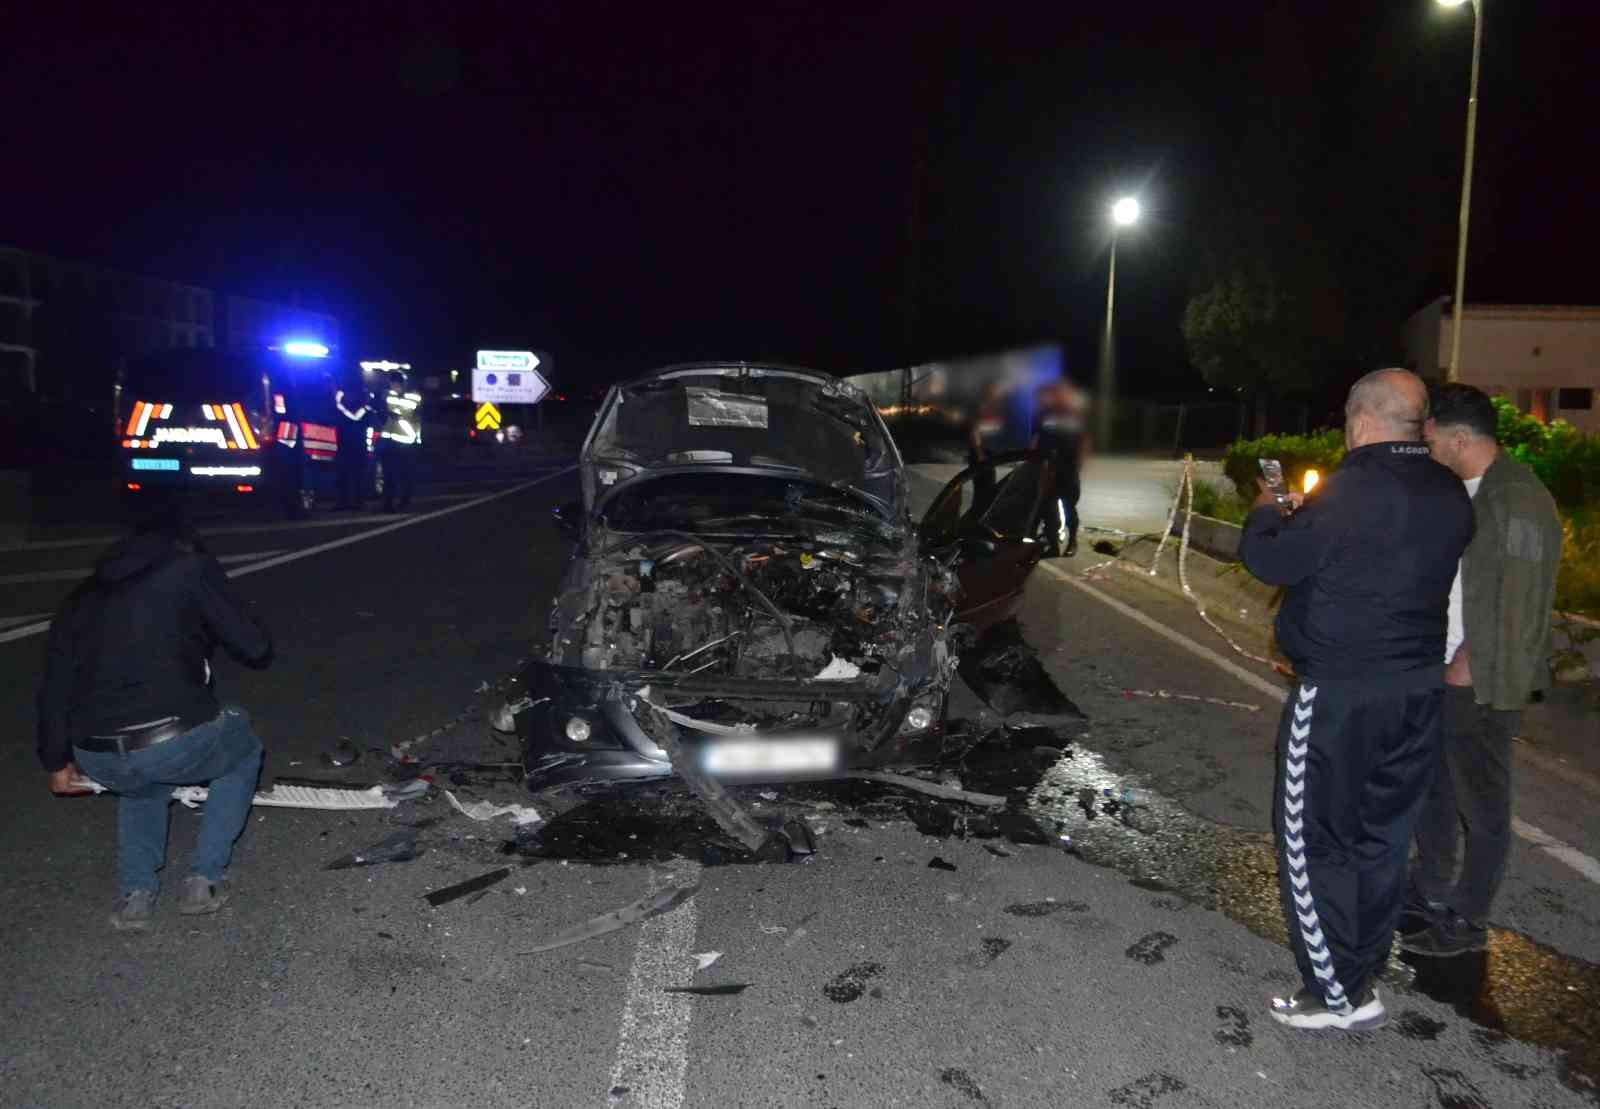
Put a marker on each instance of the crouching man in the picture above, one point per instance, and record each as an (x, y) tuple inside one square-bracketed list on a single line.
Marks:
[(128, 701)]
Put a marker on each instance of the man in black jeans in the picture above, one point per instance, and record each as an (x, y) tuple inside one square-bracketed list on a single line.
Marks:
[(1368, 560), (127, 700), (1496, 654)]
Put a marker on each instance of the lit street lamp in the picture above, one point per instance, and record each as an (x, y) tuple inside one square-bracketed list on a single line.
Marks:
[(1124, 213), (1458, 305)]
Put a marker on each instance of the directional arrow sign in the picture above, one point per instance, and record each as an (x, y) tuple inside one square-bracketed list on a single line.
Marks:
[(488, 417), (509, 386)]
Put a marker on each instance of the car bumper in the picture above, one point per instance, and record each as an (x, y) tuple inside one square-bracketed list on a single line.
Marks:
[(867, 718)]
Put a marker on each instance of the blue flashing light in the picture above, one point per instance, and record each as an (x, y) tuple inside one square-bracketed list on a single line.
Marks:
[(155, 464), (305, 348)]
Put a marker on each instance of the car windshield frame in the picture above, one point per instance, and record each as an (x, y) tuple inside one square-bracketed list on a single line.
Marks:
[(743, 418)]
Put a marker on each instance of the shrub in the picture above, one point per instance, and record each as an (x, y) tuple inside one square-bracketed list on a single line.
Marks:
[(1321, 450), (1219, 503), (1578, 582)]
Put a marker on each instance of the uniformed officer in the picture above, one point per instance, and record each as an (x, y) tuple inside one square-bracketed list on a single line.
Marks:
[(399, 442), (353, 406)]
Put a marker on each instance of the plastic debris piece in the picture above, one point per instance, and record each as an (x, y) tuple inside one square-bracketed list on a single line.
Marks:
[(520, 891), (706, 959), (282, 796), (838, 670), (488, 810), (937, 863), (654, 904), (726, 989), (773, 929), (400, 847), (471, 885)]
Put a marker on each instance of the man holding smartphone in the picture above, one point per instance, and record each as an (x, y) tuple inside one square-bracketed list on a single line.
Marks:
[(1367, 562)]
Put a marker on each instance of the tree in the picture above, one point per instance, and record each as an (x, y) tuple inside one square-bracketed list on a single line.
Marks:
[(1262, 327)]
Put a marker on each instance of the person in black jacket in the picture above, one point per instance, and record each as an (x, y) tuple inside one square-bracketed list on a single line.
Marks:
[(1368, 561), (128, 701)]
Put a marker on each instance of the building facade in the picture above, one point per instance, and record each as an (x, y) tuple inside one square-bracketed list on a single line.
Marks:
[(66, 326), (1543, 358)]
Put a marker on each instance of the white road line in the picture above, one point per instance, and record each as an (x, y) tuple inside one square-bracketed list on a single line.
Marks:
[(344, 541), (1577, 860), (13, 621), (332, 521), (84, 571), (1584, 864), (1254, 681), (653, 1040)]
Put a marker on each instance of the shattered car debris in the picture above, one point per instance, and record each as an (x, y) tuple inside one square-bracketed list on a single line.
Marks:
[(749, 591)]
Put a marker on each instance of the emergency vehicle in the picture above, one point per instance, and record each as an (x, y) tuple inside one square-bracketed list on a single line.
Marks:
[(240, 421)]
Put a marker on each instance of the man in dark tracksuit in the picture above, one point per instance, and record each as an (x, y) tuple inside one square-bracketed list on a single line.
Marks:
[(352, 437), (127, 699), (1368, 562), (1061, 431)]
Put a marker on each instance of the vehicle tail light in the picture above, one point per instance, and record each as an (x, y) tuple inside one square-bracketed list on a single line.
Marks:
[(135, 486), (244, 488)]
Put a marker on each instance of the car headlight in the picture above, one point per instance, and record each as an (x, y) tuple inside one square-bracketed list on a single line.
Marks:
[(919, 719), (579, 730)]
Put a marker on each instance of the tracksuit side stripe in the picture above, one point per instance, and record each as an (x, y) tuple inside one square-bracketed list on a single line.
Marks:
[(1294, 853)]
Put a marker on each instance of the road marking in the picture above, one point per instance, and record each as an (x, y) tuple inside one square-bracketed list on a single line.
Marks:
[(334, 544), (332, 521), (83, 572), (13, 621), (653, 1040), (1254, 681), (1577, 860), (1584, 864)]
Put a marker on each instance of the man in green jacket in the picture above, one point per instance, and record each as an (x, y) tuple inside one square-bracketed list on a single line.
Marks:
[(1496, 655)]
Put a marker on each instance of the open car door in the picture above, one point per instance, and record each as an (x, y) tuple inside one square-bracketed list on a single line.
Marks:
[(990, 514)]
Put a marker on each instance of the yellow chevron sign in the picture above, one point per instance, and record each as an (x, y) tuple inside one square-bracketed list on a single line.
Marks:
[(488, 417)]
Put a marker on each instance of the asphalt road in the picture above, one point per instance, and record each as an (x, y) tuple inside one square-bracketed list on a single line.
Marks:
[(1132, 970)]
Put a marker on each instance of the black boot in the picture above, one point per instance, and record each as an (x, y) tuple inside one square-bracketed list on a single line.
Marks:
[(1072, 543)]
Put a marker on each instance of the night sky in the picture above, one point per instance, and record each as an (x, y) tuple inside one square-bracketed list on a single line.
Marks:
[(626, 185)]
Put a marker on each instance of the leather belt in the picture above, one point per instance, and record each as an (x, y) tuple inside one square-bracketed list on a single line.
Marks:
[(136, 738)]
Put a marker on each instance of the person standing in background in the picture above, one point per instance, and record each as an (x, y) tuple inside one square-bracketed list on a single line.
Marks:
[(1061, 431), (352, 435), (1496, 654)]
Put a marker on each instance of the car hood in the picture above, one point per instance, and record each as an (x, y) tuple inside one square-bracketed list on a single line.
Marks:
[(742, 419)]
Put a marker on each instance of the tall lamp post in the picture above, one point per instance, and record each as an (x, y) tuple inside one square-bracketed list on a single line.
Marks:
[(1458, 305), (1124, 213)]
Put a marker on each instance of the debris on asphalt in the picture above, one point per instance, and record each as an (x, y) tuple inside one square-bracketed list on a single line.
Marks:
[(932, 789), (1106, 547), (704, 960), (1164, 695), (849, 984), (1006, 673), (471, 885), (344, 754), (936, 863), (726, 989), (488, 810), (399, 847), (654, 904)]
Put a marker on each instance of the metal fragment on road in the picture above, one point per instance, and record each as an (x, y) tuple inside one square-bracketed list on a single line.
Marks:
[(704, 960), (932, 789), (654, 904), (726, 989), (471, 885), (399, 847)]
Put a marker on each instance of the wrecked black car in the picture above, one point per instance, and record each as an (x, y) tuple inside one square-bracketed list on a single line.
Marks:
[(749, 599)]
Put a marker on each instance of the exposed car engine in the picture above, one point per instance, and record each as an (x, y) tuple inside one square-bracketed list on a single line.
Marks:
[(677, 606)]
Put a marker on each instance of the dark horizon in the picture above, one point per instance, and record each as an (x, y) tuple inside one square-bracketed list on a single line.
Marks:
[(851, 192)]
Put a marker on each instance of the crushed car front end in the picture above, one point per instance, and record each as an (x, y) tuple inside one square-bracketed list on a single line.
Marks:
[(747, 591)]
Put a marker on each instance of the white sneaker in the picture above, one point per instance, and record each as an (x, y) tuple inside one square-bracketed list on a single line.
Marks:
[(1309, 1010)]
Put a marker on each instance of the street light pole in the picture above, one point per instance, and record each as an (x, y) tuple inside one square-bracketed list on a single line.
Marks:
[(1124, 213), (1458, 305), (1107, 378)]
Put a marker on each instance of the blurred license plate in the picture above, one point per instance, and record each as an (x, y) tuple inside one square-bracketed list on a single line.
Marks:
[(733, 758)]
